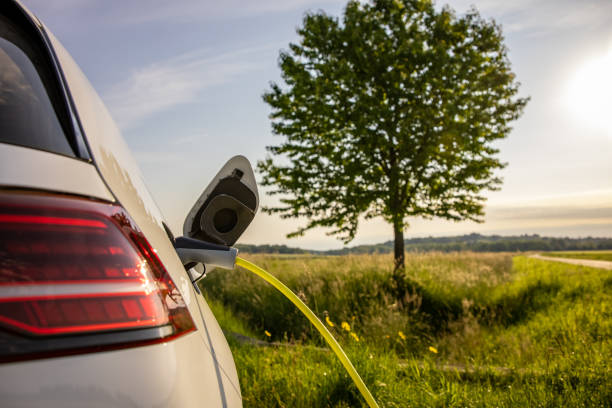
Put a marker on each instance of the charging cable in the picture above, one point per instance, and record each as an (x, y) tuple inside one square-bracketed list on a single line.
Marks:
[(193, 251), (316, 323)]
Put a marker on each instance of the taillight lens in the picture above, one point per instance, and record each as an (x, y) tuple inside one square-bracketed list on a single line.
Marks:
[(73, 266)]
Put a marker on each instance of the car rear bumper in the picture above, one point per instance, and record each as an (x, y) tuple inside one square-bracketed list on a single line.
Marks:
[(179, 373)]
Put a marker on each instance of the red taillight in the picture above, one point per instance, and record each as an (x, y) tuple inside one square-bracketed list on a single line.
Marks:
[(75, 266)]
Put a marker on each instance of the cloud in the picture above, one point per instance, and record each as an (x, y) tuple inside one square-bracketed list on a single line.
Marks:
[(583, 214), (569, 212), (192, 10), (541, 17), (179, 11), (166, 84), (535, 17), (156, 157), (188, 139)]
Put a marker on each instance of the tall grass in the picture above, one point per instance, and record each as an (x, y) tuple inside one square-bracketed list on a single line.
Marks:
[(476, 330), (358, 289)]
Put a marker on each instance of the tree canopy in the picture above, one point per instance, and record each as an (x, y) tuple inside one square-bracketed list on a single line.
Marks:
[(390, 112)]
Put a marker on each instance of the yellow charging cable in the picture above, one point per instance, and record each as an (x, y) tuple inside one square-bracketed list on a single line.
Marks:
[(316, 323)]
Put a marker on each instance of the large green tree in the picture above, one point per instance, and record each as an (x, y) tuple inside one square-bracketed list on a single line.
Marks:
[(391, 112)]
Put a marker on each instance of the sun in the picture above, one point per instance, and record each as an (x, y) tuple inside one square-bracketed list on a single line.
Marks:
[(589, 94)]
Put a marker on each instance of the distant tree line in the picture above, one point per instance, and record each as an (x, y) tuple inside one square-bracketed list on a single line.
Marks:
[(272, 249), (471, 242)]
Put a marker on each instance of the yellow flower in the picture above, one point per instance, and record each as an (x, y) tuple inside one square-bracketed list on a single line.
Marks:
[(346, 326), (355, 336), (267, 333), (402, 335), (329, 322), (433, 349)]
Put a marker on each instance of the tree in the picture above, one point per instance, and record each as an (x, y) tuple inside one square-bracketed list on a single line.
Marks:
[(390, 113)]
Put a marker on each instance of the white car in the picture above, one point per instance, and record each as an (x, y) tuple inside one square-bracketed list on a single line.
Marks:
[(97, 308)]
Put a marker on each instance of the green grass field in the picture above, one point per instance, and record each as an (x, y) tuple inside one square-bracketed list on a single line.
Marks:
[(595, 255), (473, 330)]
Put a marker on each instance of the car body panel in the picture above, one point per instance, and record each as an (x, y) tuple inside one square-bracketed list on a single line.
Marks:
[(119, 170), (157, 375), (23, 167), (196, 369)]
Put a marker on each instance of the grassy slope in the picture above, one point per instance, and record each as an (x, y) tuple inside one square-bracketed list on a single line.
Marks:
[(595, 255), (519, 332)]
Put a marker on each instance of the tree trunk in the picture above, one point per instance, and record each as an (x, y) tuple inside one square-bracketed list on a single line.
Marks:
[(399, 264), (398, 249)]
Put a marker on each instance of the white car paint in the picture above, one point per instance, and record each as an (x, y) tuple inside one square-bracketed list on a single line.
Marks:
[(121, 173), (196, 369), (174, 374), (31, 168)]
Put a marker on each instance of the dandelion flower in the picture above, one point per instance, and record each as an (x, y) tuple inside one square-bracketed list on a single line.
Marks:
[(267, 333), (402, 335), (346, 326), (329, 322), (355, 336), (433, 349)]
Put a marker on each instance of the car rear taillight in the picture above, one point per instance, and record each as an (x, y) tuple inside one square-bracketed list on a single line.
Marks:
[(77, 273)]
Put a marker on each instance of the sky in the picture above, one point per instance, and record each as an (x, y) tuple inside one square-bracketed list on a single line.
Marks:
[(184, 79)]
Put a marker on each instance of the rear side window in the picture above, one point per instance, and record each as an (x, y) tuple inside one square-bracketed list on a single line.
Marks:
[(32, 112)]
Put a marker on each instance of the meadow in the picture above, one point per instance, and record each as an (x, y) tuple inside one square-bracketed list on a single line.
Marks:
[(471, 330)]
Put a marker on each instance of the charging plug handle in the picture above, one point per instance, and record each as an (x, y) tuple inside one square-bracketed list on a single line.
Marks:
[(192, 251)]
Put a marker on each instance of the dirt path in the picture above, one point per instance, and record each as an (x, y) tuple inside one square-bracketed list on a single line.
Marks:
[(584, 262)]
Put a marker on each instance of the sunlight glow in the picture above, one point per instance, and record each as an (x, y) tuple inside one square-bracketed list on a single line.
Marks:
[(589, 95)]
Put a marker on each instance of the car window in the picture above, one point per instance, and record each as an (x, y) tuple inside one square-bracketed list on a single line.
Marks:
[(28, 95)]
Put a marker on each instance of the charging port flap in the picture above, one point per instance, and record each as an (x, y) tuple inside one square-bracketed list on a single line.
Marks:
[(226, 207)]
